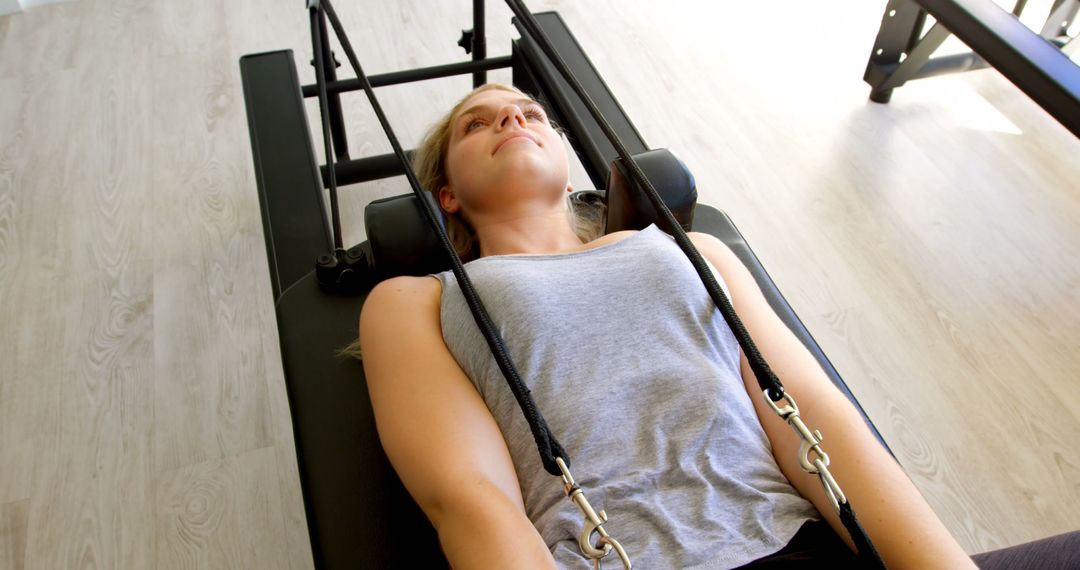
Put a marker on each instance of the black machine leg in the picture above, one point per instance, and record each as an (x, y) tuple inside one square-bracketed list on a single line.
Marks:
[(880, 95), (1039, 66), (900, 28)]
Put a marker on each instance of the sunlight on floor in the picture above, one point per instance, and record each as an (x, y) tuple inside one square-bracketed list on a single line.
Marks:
[(969, 109)]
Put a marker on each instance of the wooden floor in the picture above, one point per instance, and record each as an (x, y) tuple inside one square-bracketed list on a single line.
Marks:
[(932, 246)]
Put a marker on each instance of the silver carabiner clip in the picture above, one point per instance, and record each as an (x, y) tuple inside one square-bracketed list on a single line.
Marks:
[(594, 523), (811, 441)]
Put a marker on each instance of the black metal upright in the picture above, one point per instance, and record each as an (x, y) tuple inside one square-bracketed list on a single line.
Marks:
[(318, 41), (333, 100), (900, 29), (479, 41)]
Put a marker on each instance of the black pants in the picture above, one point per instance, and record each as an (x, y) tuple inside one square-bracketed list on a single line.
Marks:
[(817, 545)]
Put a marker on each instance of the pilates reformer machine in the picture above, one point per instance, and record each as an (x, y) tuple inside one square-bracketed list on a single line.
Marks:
[(359, 514), (1037, 63)]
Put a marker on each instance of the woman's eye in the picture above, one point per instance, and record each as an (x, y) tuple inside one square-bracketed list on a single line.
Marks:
[(529, 113)]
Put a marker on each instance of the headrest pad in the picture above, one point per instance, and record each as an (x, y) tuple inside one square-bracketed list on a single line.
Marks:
[(402, 242), (628, 206)]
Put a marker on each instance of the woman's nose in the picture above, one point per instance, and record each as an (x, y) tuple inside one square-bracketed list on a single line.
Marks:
[(510, 114)]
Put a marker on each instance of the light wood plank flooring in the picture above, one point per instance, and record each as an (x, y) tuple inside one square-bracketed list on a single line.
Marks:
[(932, 246)]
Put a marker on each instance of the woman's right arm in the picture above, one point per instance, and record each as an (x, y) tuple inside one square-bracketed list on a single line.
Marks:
[(438, 433)]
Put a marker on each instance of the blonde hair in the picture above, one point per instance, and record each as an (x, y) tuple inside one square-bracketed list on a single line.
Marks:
[(586, 216)]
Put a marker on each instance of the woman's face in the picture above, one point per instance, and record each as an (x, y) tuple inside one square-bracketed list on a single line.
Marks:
[(503, 151)]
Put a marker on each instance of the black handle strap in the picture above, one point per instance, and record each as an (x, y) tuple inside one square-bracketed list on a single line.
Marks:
[(545, 442), (868, 555), (767, 380)]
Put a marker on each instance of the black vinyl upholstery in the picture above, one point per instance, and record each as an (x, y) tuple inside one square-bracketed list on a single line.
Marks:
[(403, 243), (358, 511), (401, 239), (628, 206)]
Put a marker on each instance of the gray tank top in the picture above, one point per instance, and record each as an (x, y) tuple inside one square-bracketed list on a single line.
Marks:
[(637, 375)]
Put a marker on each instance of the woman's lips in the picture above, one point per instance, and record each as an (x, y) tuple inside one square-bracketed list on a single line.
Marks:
[(511, 138)]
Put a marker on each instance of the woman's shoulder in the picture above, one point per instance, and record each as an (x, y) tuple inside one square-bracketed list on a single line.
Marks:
[(402, 294), (613, 237), (407, 286)]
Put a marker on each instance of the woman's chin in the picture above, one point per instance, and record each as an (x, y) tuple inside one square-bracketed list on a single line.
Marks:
[(526, 189), (516, 164)]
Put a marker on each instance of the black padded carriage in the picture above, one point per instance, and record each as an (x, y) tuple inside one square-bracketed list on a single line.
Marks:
[(359, 514)]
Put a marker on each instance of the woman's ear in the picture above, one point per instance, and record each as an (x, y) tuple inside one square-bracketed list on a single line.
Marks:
[(447, 200)]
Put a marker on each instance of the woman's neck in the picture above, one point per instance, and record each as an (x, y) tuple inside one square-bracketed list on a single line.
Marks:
[(528, 235)]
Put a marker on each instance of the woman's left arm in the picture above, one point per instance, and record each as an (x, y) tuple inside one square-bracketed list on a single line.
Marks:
[(894, 515)]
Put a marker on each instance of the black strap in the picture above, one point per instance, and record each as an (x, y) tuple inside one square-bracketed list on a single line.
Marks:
[(867, 553), (545, 442), (767, 380)]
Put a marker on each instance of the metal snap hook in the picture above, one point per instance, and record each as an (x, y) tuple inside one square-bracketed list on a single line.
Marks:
[(811, 442), (585, 538), (593, 523)]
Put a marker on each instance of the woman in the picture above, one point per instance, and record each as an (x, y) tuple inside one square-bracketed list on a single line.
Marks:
[(634, 370)]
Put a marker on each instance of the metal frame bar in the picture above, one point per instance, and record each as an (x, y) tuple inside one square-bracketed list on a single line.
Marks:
[(479, 41), (914, 62), (411, 75), (333, 263), (337, 121), (320, 43), (1038, 67), (900, 28), (286, 170), (532, 73), (366, 169)]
